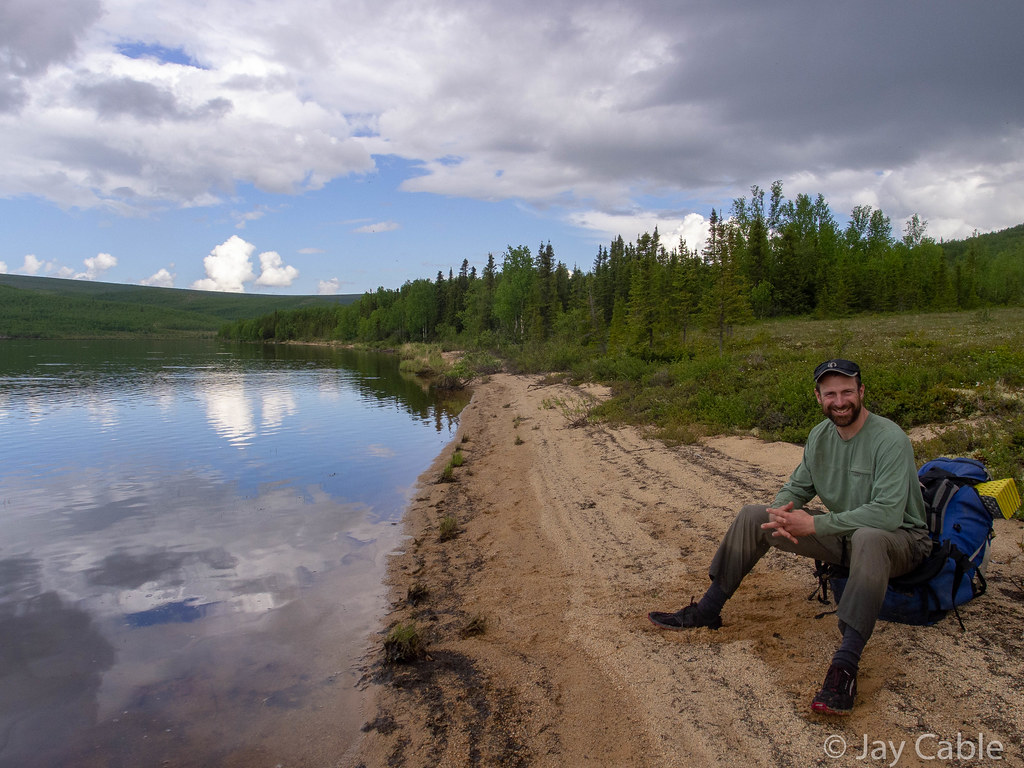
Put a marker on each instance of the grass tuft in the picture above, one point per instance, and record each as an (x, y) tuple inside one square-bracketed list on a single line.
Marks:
[(476, 626), (417, 593), (403, 644), (449, 527), (448, 473)]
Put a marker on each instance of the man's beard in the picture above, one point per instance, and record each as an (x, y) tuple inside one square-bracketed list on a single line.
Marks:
[(845, 419)]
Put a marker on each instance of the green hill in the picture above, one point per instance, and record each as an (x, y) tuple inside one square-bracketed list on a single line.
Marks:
[(1007, 240), (45, 307)]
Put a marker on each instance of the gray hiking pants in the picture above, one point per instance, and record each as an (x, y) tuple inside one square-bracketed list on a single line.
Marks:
[(872, 555)]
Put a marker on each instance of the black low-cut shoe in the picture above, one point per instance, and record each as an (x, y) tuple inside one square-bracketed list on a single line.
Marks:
[(687, 618), (838, 692)]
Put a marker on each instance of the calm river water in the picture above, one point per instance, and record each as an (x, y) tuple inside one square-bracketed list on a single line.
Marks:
[(193, 538)]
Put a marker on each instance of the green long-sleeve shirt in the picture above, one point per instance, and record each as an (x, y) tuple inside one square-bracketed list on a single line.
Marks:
[(867, 481)]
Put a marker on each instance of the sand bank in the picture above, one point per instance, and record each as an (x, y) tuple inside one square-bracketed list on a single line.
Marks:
[(539, 652)]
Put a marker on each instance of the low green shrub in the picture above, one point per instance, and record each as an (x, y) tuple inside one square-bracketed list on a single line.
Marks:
[(421, 359), (417, 593), (403, 644), (448, 473), (449, 528)]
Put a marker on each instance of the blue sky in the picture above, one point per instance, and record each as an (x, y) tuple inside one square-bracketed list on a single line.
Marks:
[(353, 235), (341, 146)]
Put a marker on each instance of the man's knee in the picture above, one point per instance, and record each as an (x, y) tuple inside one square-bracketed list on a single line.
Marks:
[(888, 552), (869, 539), (875, 545), (876, 555), (752, 515)]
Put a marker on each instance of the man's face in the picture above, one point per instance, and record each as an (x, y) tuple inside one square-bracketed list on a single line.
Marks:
[(840, 398)]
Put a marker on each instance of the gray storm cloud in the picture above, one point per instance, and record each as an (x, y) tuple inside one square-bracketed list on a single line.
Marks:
[(145, 101), (34, 37)]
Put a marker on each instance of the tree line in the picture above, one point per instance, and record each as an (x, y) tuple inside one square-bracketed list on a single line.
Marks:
[(767, 257)]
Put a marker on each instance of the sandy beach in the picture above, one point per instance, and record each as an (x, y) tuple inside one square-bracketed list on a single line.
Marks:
[(538, 647)]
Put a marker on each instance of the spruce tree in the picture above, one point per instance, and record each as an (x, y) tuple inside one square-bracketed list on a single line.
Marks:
[(725, 302)]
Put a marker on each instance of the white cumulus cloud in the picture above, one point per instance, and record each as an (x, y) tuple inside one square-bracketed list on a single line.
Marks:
[(32, 265), (160, 279), (329, 287), (96, 266), (274, 272), (228, 267), (692, 228)]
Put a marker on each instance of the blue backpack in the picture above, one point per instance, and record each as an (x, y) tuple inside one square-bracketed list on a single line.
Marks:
[(960, 526)]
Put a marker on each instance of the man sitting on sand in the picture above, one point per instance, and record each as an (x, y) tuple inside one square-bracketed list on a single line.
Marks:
[(861, 466)]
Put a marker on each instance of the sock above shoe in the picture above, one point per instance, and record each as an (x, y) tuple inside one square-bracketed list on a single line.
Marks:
[(849, 652), (712, 603)]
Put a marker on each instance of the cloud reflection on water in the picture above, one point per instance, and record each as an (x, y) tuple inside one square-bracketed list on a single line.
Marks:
[(229, 412), (231, 409)]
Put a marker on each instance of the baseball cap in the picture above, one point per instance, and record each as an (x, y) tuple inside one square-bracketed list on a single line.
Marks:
[(845, 367)]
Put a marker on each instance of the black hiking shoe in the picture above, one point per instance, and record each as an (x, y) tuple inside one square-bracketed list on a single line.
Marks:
[(838, 692), (687, 618)]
